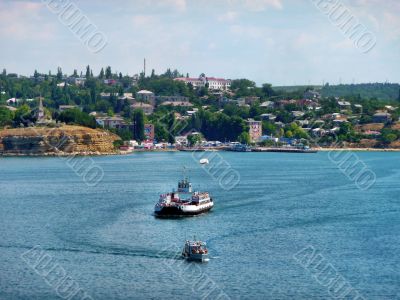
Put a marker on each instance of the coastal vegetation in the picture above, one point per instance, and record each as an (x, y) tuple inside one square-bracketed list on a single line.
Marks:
[(217, 115)]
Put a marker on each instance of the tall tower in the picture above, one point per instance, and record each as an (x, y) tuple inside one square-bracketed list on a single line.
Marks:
[(40, 116)]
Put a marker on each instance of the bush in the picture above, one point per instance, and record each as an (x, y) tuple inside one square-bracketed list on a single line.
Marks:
[(75, 116)]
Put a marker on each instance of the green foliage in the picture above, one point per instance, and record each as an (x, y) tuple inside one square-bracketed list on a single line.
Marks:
[(389, 135), (160, 132), (108, 73), (194, 139), (380, 91), (124, 134), (295, 131), (267, 143), (219, 126), (77, 117), (269, 128), (138, 120), (244, 87), (6, 116), (24, 115), (227, 125), (244, 138), (118, 143), (166, 87)]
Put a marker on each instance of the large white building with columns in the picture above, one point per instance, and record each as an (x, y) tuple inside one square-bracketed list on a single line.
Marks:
[(202, 81)]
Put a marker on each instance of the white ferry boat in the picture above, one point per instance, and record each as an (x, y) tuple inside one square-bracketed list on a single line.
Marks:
[(183, 202), (195, 250)]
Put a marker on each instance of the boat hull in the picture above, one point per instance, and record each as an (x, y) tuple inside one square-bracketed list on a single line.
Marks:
[(175, 211), (195, 257)]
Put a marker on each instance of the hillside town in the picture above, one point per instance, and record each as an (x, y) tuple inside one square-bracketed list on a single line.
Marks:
[(176, 111)]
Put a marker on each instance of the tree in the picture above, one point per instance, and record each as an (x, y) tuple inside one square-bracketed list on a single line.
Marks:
[(138, 120), (101, 75), (160, 132), (389, 135), (59, 74), (289, 134), (75, 116), (267, 90), (244, 138), (268, 128), (194, 139), (75, 73), (6, 116), (244, 87), (120, 76), (87, 72), (388, 138), (398, 98), (23, 115), (170, 121), (108, 73)]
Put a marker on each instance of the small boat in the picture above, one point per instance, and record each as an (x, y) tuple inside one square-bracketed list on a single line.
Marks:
[(204, 161), (195, 250)]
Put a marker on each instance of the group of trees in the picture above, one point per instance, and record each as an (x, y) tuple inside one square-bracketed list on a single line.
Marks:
[(218, 126), (380, 91), (219, 121)]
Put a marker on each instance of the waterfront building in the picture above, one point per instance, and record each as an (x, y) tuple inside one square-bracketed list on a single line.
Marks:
[(149, 132), (255, 130)]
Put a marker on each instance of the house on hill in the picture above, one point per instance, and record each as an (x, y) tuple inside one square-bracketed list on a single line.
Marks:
[(382, 117), (147, 108)]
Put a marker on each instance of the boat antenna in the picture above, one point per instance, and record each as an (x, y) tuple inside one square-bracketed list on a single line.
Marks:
[(185, 171)]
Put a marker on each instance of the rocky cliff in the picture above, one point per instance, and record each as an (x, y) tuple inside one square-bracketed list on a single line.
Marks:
[(63, 140)]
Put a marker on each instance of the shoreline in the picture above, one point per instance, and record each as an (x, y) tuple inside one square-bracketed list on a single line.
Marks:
[(83, 154), (359, 149), (63, 155)]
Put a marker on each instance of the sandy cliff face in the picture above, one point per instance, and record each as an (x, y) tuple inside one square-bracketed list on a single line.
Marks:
[(56, 141)]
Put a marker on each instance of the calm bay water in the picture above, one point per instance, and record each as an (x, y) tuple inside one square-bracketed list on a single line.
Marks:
[(108, 242)]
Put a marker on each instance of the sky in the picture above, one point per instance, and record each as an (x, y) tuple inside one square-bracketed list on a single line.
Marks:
[(283, 42)]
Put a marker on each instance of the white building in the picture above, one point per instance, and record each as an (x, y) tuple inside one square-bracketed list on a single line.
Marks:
[(110, 122), (146, 96), (212, 82), (147, 108)]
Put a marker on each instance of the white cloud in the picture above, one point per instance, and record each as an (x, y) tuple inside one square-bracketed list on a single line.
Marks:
[(305, 40), (212, 46), (22, 20), (261, 5), (179, 5), (229, 16), (143, 20)]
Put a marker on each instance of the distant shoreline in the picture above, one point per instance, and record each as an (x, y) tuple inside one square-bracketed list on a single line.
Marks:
[(80, 154), (359, 149)]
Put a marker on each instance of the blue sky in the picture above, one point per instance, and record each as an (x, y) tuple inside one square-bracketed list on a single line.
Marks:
[(283, 42)]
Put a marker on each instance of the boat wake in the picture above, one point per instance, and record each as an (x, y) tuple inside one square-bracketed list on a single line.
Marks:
[(105, 251)]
